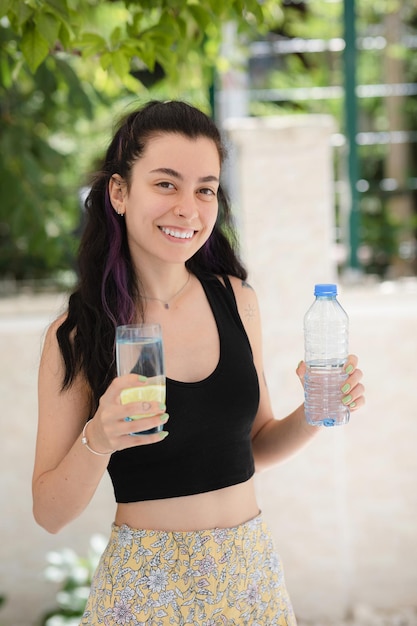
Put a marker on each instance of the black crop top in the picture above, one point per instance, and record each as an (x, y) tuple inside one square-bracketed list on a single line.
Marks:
[(209, 443)]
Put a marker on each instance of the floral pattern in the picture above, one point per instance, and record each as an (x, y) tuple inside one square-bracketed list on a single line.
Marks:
[(220, 577)]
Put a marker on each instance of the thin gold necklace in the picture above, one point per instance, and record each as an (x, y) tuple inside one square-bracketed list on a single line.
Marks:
[(166, 302)]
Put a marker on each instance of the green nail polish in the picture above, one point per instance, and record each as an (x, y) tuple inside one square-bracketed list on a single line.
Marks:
[(163, 434), (142, 379), (347, 399), (162, 406), (164, 417), (346, 388), (352, 405), (349, 369)]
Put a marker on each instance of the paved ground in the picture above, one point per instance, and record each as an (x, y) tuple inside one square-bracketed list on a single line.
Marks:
[(366, 616)]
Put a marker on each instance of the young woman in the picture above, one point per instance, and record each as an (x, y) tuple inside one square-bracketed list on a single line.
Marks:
[(188, 543)]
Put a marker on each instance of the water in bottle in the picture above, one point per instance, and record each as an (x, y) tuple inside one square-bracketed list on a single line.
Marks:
[(326, 330)]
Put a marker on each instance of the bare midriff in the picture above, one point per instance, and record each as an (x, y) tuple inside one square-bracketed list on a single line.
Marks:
[(223, 508)]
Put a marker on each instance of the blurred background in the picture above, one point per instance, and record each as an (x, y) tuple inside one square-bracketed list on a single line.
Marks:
[(318, 103)]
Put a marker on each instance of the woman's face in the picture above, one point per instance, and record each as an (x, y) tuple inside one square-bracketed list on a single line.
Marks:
[(171, 206)]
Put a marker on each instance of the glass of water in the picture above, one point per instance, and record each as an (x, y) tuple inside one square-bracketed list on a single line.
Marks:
[(139, 350)]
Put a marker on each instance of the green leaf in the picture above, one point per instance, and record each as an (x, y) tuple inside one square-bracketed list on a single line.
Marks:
[(34, 46), (120, 62), (147, 54), (64, 36), (105, 60), (92, 44), (19, 15), (48, 27), (116, 36), (202, 16), (59, 7)]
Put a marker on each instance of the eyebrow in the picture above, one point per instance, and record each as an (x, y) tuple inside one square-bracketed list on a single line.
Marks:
[(170, 172)]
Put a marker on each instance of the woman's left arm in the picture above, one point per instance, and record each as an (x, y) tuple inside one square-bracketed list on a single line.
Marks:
[(275, 440)]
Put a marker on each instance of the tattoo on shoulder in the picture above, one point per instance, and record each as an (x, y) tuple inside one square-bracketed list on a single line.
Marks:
[(250, 312)]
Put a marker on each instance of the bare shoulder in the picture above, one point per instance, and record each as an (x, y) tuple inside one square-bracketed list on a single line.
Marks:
[(53, 327), (50, 343), (52, 367), (246, 299), (51, 377)]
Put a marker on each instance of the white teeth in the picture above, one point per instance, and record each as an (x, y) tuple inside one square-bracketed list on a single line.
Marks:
[(178, 234)]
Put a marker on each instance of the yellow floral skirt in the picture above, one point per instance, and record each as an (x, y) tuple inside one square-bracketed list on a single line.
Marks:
[(219, 577)]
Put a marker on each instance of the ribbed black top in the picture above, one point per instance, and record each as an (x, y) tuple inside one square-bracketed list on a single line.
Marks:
[(209, 443)]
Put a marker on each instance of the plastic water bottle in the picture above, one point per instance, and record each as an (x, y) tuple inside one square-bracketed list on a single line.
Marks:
[(326, 333)]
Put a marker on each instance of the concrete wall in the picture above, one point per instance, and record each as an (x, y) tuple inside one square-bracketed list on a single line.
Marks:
[(344, 510)]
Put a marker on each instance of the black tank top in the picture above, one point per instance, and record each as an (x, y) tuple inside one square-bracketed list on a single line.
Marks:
[(209, 443)]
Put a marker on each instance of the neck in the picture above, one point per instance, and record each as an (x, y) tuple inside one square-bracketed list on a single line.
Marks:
[(166, 287)]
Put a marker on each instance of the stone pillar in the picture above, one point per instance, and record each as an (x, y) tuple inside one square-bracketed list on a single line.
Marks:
[(282, 184), (285, 197)]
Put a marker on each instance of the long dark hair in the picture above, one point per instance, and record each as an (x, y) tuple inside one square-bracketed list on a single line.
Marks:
[(108, 291)]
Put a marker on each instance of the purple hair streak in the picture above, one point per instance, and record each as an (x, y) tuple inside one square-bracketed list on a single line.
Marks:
[(116, 267)]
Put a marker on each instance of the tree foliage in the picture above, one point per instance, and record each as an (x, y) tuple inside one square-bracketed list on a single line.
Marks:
[(63, 65), (128, 32)]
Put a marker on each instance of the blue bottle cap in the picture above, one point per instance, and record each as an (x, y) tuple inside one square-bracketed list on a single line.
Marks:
[(325, 290)]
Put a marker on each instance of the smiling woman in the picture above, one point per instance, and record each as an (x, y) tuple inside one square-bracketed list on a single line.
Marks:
[(188, 544)]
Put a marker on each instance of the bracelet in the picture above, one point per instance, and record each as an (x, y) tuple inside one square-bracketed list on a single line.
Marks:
[(84, 441)]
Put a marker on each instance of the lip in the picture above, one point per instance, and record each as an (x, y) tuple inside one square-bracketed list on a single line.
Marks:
[(177, 234)]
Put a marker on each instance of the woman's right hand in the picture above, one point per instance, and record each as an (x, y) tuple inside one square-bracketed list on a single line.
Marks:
[(112, 429)]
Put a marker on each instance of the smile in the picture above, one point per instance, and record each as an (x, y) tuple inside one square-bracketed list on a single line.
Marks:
[(178, 234)]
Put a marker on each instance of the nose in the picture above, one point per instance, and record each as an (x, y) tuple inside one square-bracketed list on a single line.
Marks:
[(186, 206)]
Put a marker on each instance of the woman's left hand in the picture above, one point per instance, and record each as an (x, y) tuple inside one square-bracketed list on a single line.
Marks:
[(352, 389)]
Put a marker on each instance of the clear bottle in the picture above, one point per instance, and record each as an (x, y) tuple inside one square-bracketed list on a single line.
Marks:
[(326, 335)]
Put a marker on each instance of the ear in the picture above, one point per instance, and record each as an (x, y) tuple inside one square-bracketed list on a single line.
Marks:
[(117, 190)]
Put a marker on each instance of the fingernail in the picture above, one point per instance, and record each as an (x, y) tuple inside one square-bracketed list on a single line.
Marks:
[(347, 399), (164, 417), (142, 379), (352, 405), (163, 434), (346, 388), (349, 369), (162, 406)]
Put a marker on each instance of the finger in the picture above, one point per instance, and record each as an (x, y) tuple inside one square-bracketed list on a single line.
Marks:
[(301, 370), (144, 423), (354, 397), (351, 381), (351, 363), (129, 441), (357, 404), (143, 409)]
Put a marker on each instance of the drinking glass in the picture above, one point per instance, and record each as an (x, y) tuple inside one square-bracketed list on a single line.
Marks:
[(139, 350)]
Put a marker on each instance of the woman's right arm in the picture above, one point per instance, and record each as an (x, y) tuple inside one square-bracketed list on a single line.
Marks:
[(66, 474)]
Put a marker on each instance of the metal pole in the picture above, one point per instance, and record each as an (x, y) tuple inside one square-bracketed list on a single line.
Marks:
[(349, 58)]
